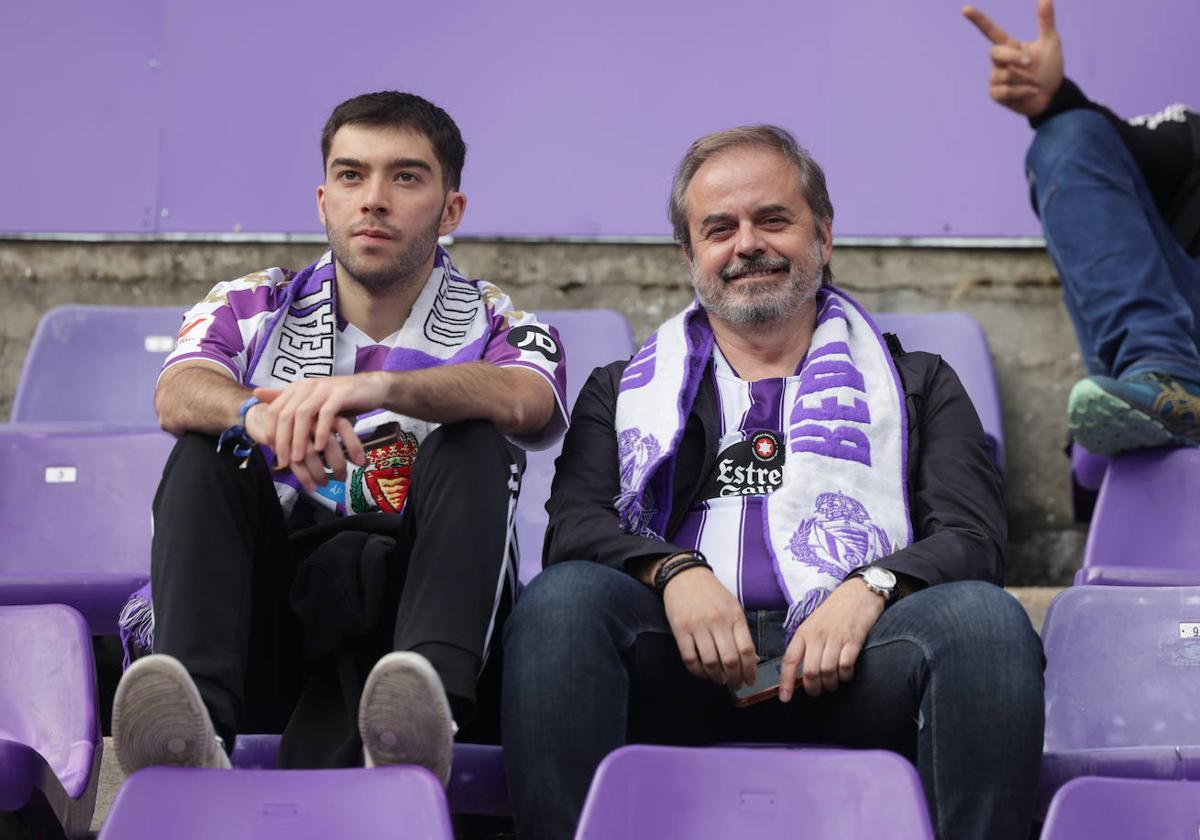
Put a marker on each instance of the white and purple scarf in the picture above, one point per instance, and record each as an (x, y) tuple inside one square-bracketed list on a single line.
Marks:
[(843, 501), (449, 324)]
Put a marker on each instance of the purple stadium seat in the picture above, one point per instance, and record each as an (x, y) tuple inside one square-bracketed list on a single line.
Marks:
[(1087, 475), (477, 781), (50, 743), (1146, 527), (193, 804), (675, 793), (1122, 675), (960, 340), (75, 515), (593, 337), (1121, 809), (95, 364)]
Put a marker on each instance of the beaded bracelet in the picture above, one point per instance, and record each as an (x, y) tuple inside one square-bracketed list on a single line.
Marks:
[(679, 563)]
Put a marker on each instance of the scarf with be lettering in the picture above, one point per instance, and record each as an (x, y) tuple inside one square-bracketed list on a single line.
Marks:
[(842, 503)]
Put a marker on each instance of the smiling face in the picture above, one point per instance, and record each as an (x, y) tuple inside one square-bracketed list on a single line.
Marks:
[(384, 205), (756, 253)]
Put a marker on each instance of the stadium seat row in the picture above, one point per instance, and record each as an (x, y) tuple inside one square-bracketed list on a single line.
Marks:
[(80, 462)]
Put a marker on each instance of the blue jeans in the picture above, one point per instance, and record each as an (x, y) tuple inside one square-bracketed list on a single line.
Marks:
[(950, 677), (1132, 292)]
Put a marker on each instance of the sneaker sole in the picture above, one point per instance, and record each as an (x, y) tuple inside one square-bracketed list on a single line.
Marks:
[(159, 718), (1107, 425), (404, 717)]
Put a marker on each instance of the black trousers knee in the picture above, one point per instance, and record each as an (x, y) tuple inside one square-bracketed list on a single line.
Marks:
[(278, 629)]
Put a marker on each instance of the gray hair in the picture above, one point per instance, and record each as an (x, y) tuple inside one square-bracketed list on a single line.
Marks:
[(770, 137)]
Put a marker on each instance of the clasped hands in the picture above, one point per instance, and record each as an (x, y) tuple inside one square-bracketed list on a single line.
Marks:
[(307, 427), (714, 640)]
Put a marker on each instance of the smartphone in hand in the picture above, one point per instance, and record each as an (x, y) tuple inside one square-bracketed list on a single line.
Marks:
[(765, 685)]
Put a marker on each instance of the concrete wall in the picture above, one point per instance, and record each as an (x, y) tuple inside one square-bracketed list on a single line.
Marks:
[(1014, 293)]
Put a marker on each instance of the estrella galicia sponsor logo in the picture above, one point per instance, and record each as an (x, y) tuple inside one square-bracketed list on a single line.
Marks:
[(752, 467), (765, 446), (537, 339)]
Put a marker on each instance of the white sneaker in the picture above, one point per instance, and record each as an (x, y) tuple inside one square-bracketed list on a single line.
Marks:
[(404, 717), (159, 718)]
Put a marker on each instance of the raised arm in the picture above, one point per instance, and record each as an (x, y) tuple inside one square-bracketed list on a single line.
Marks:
[(1025, 74)]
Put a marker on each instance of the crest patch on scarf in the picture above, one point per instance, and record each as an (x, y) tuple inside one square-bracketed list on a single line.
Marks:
[(839, 538)]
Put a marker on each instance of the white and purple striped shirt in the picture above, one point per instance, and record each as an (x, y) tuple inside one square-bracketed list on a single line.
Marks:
[(728, 525), (233, 321)]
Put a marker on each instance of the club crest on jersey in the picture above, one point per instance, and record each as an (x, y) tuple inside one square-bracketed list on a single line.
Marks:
[(387, 477), (751, 467)]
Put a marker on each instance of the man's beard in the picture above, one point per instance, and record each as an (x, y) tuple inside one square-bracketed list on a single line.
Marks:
[(400, 271), (762, 303)]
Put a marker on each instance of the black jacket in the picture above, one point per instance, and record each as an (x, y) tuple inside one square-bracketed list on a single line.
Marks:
[(955, 492), (1166, 148)]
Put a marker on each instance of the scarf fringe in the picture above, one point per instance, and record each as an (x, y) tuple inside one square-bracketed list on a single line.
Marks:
[(136, 626), (635, 515), (802, 609)]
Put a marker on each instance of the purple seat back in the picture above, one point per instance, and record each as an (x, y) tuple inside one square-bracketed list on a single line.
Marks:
[(1146, 529), (477, 781), (1088, 468), (95, 364), (1121, 678), (960, 340), (1120, 809), (1087, 474), (670, 793), (75, 515), (193, 804), (592, 337), (49, 725)]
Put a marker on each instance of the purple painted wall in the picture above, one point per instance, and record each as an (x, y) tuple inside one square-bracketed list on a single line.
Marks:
[(204, 115)]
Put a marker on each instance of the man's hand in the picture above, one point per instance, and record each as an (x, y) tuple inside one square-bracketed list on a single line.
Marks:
[(827, 644), (303, 423), (1025, 75), (710, 628)]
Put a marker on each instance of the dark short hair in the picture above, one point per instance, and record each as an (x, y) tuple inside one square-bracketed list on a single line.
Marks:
[(392, 109), (770, 137)]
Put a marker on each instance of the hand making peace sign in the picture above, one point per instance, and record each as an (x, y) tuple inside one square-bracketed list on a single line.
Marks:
[(1025, 74)]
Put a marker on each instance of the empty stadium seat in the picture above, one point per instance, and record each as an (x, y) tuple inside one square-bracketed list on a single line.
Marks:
[(50, 744), (675, 793), (960, 340), (1146, 526), (75, 515), (1122, 675), (592, 337), (1123, 809), (477, 781), (179, 803), (95, 364)]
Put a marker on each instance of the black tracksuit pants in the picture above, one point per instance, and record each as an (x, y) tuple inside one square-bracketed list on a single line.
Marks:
[(279, 630)]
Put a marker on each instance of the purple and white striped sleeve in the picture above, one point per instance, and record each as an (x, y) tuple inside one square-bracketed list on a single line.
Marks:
[(519, 339), (221, 328)]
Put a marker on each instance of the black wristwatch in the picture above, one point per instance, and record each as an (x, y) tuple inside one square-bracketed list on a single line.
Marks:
[(879, 580)]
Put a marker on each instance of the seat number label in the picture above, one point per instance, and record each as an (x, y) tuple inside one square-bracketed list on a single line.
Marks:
[(61, 475), (1189, 629)]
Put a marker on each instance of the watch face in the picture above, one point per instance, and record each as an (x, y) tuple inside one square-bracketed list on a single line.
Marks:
[(878, 576)]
